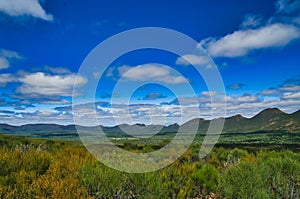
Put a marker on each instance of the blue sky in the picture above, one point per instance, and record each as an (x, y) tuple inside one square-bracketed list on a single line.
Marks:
[(254, 44)]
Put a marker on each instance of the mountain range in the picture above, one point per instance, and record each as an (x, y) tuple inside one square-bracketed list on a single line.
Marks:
[(268, 120)]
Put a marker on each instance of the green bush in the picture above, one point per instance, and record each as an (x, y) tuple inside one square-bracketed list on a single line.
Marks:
[(283, 170), (206, 179), (55, 169), (103, 182), (273, 175), (246, 180)]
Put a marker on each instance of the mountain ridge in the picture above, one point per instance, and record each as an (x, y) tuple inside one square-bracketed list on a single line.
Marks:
[(270, 119)]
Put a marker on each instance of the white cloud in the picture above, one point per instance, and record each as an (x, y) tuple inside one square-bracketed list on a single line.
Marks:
[(6, 78), (109, 73), (42, 84), (122, 70), (22, 7), (236, 86), (6, 56), (153, 96), (247, 105), (54, 101), (57, 70), (269, 92), (257, 33), (251, 21), (168, 113), (33, 117), (150, 72), (189, 59), (4, 63), (291, 95), (242, 42), (10, 54), (290, 87), (246, 99), (208, 93), (184, 101), (288, 6)]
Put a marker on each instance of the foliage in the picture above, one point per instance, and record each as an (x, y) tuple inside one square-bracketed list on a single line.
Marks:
[(103, 182), (207, 179), (273, 175), (37, 168)]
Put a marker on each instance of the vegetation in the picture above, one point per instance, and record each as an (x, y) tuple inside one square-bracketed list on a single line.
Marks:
[(37, 168)]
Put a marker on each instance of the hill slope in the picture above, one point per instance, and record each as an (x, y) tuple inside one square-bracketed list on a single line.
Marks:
[(271, 119)]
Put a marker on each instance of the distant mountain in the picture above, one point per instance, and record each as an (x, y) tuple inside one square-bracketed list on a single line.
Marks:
[(271, 119), (38, 130)]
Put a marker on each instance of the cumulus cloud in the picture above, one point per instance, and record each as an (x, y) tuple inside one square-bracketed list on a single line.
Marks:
[(153, 96), (288, 7), (16, 104), (170, 112), (287, 98), (251, 21), (122, 70), (242, 42), (208, 93), (291, 95), (290, 91), (21, 117), (38, 98), (87, 106), (4, 63), (41, 87), (290, 87), (246, 98), (42, 84), (150, 72), (109, 73), (57, 70), (190, 59), (166, 113), (205, 97), (6, 56), (6, 78), (256, 33), (24, 8), (236, 86), (10, 54), (269, 92)]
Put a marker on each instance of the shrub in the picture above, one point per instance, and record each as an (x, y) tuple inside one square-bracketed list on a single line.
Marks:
[(206, 179), (246, 180)]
